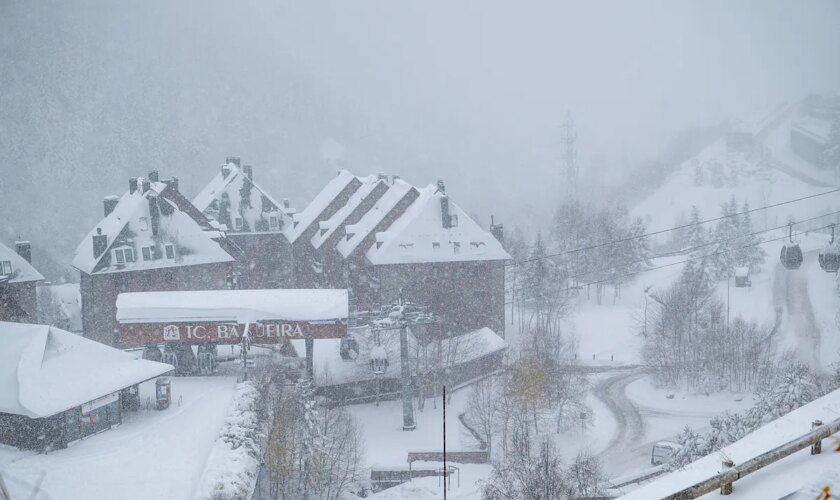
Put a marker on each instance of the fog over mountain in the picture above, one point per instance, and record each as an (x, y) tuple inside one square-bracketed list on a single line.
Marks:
[(93, 92)]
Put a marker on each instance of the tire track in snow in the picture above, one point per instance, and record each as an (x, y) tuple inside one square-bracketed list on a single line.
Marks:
[(630, 424)]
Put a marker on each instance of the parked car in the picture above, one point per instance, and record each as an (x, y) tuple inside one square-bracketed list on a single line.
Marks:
[(664, 451)]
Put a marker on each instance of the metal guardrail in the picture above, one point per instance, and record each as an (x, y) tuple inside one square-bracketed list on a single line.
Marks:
[(724, 480)]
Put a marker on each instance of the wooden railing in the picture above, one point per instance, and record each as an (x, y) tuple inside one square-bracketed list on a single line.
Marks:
[(725, 479)]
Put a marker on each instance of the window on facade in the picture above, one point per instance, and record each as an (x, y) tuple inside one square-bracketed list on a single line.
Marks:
[(170, 250), (237, 223), (272, 222), (147, 253), (144, 223), (456, 247), (435, 245), (6, 267), (123, 255)]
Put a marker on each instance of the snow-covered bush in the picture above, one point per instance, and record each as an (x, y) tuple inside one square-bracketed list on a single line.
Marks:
[(233, 464)]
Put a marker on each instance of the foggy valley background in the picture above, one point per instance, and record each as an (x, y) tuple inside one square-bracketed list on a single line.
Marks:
[(474, 92)]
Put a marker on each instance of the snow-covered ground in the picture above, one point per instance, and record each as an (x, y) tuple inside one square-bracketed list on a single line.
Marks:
[(775, 481), (153, 454)]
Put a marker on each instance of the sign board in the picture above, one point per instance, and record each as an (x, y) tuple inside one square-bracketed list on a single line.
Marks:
[(262, 332), (100, 402)]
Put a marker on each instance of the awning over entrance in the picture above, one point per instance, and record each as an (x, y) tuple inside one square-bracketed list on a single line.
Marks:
[(222, 316)]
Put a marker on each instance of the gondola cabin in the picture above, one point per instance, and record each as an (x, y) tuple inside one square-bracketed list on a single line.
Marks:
[(742, 277)]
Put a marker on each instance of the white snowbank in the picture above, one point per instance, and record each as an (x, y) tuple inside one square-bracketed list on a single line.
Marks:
[(233, 464)]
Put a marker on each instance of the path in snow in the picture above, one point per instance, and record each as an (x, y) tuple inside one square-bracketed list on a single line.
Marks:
[(631, 427), (791, 292)]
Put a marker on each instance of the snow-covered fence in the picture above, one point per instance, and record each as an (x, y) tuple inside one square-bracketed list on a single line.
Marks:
[(735, 472), (233, 465)]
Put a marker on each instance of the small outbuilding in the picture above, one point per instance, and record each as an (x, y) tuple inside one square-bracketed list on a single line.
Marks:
[(57, 387)]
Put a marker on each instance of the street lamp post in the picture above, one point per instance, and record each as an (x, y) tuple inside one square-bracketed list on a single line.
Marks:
[(378, 364)]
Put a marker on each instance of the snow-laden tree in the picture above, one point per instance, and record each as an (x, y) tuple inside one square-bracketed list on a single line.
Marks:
[(751, 254), (795, 386), (831, 155), (543, 288), (695, 234)]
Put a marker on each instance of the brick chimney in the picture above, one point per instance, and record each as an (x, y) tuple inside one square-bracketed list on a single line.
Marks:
[(497, 230), (249, 172), (146, 186), (233, 159), (154, 213), (286, 203), (24, 249), (154, 176), (109, 203), (132, 185), (172, 183), (100, 243)]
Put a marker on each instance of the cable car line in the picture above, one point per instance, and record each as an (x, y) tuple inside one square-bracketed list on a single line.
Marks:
[(785, 237), (675, 228)]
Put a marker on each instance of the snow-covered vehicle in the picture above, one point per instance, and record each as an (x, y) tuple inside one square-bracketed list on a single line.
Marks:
[(663, 452)]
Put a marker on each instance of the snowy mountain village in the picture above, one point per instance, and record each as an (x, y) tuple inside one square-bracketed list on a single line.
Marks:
[(382, 343)]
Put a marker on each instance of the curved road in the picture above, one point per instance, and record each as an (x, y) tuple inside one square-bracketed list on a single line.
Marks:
[(631, 427)]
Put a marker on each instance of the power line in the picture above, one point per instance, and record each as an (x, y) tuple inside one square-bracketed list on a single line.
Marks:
[(675, 228), (695, 258), (697, 247)]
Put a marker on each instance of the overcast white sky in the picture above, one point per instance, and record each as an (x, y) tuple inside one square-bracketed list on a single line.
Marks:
[(472, 91)]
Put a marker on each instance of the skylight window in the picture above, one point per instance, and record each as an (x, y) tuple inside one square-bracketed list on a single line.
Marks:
[(6, 268)]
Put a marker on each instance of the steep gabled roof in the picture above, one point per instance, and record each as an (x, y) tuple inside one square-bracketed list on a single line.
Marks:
[(130, 225), (22, 271), (329, 226), (356, 233), (236, 184), (419, 235), (316, 210), (45, 370)]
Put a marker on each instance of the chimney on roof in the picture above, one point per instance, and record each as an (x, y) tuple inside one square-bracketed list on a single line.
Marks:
[(233, 159), (497, 230), (146, 186), (173, 183), (383, 177), (154, 176), (100, 243), (249, 172), (286, 203), (132, 185), (395, 178), (225, 170), (109, 203), (445, 218), (441, 187), (24, 249), (154, 213)]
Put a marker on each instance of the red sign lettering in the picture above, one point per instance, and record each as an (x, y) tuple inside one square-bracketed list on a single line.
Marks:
[(266, 332)]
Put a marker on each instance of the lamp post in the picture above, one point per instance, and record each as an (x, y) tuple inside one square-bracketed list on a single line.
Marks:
[(378, 364)]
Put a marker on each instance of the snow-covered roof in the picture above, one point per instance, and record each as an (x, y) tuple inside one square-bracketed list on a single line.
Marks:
[(232, 305), (817, 128), (22, 271), (234, 184), (45, 370), (302, 220), (130, 225), (356, 233), (328, 227), (419, 236)]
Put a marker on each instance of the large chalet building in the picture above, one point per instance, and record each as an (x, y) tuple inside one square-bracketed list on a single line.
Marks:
[(18, 299), (150, 239), (378, 236), (252, 220)]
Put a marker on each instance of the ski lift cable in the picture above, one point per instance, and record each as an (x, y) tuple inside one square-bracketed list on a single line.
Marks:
[(697, 247), (692, 259), (675, 228)]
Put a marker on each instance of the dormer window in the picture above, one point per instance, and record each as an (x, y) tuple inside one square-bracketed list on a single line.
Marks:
[(123, 255), (456, 247), (6, 268), (237, 223), (435, 245), (144, 223), (148, 252), (272, 222), (169, 248)]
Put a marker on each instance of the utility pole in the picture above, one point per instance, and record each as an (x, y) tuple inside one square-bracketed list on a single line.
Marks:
[(569, 167), (405, 372)]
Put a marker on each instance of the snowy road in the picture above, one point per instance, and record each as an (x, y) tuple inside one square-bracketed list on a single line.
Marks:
[(631, 427)]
